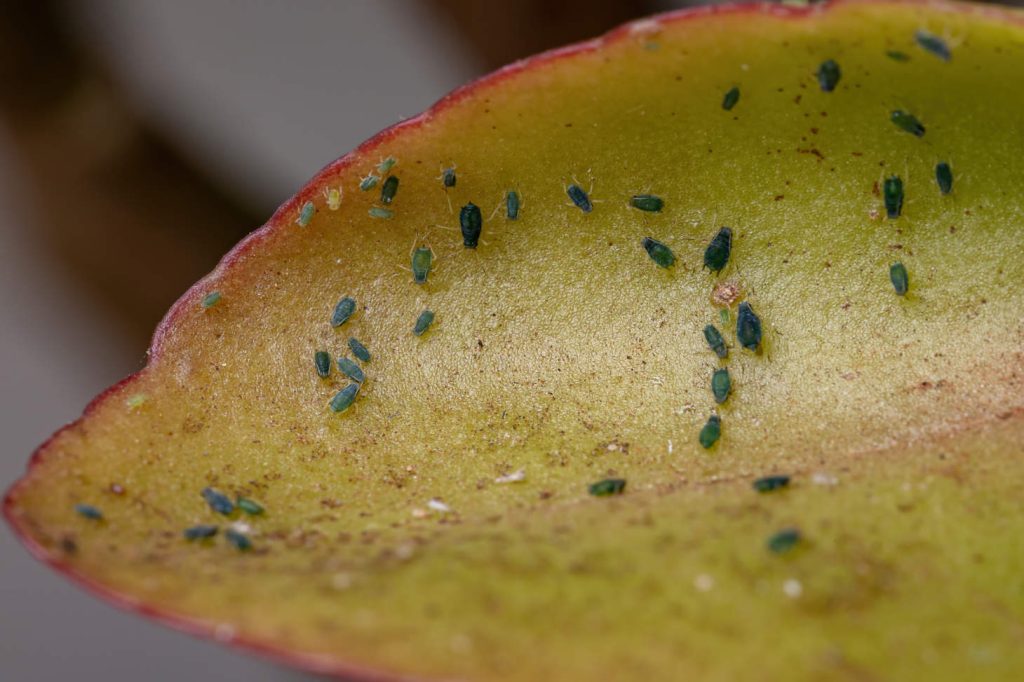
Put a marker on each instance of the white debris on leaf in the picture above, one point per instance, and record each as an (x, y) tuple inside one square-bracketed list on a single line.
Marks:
[(341, 581), (418, 513), (438, 505), (792, 588), (823, 478), (704, 582), (241, 527), (514, 477)]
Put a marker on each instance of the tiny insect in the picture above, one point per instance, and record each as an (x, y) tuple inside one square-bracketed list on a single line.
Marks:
[(716, 255), (358, 349), (731, 98), (512, 205), (471, 222), (944, 176), (250, 507), (241, 541), (306, 214), (892, 194), (201, 532), (580, 198), (748, 327), (897, 56), (711, 432), (343, 311), (218, 501), (333, 196), (609, 486), (828, 75), (387, 164), (647, 202), (136, 401), (422, 258), (715, 341), (769, 483), (211, 299), (721, 385), (369, 182), (929, 42), (322, 361), (907, 122), (899, 278), (344, 398), (784, 541), (350, 369), (382, 213), (723, 316), (448, 178), (389, 189), (88, 511), (659, 253), (423, 322)]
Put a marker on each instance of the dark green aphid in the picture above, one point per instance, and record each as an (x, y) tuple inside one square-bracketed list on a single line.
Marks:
[(944, 176), (770, 483), (389, 189), (783, 541), (748, 327), (322, 360), (647, 202), (930, 42), (716, 256), (343, 311), (659, 253), (609, 486), (423, 322), (899, 278), (89, 512), (201, 532), (358, 349), (344, 398), (448, 178), (892, 193), (386, 165), (422, 258), (249, 506), (471, 222), (350, 369), (369, 182), (828, 75), (731, 98), (721, 384), (241, 541), (907, 122), (219, 502), (580, 198), (715, 341), (897, 56), (306, 214), (382, 213), (512, 205), (211, 299), (711, 432)]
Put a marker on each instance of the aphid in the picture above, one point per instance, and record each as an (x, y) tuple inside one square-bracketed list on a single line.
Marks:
[(748, 327), (350, 369), (716, 256), (241, 541), (382, 213), (471, 222), (897, 56), (580, 198), (369, 182), (423, 322), (930, 42), (647, 202), (333, 196), (218, 501), (721, 385), (828, 75), (899, 278), (448, 178), (715, 341), (136, 401), (609, 486), (343, 311), (907, 122), (944, 176), (250, 507), (344, 398), (358, 349), (305, 214), (892, 193), (711, 431), (659, 253), (512, 204), (322, 361), (731, 98), (389, 189), (723, 316), (387, 164), (88, 511), (770, 483), (211, 299), (783, 541), (201, 532), (421, 262)]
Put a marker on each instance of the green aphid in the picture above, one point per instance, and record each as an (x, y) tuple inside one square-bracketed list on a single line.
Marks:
[(731, 98), (448, 178), (828, 75), (715, 341), (944, 176), (907, 122), (897, 56), (748, 327), (711, 431), (344, 398), (343, 311), (200, 532), (306, 214), (422, 258), (386, 165), (769, 483), (381, 213), (218, 501), (892, 194), (240, 540), (580, 198), (784, 541), (659, 253), (609, 486), (350, 369), (723, 315), (716, 255), (250, 507), (423, 322), (358, 349), (721, 385), (899, 278), (389, 189), (369, 182), (512, 205), (471, 222), (88, 511), (929, 42), (322, 361), (647, 202), (211, 299)]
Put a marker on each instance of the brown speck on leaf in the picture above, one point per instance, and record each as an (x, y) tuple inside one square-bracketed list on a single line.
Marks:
[(780, 197), (874, 188), (68, 544), (117, 488), (331, 503), (546, 494)]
